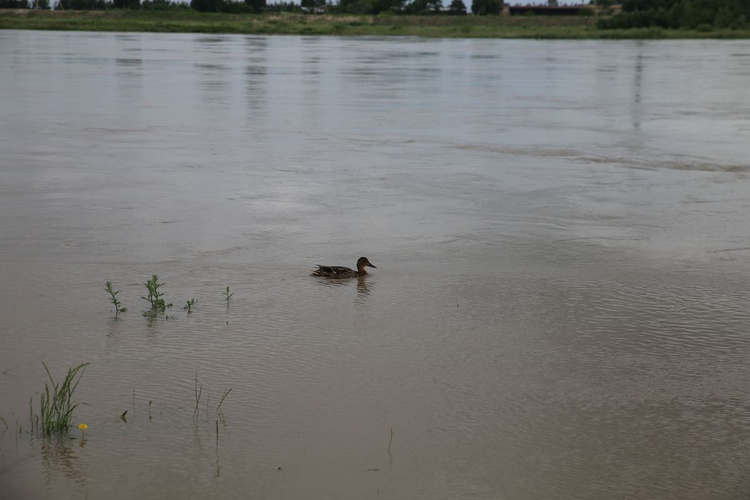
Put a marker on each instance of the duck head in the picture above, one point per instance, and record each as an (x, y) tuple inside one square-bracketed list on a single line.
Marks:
[(363, 262)]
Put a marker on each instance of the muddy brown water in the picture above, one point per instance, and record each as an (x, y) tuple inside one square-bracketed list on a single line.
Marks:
[(561, 306)]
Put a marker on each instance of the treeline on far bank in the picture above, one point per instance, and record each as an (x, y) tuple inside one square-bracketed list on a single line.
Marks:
[(700, 15), (697, 15), (363, 7)]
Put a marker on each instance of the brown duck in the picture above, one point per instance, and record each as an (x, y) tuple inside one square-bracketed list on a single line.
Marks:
[(344, 272)]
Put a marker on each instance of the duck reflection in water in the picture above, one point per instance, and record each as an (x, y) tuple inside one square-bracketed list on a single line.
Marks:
[(362, 287)]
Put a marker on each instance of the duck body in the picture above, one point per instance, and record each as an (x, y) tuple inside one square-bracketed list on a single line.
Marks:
[(339, 272)]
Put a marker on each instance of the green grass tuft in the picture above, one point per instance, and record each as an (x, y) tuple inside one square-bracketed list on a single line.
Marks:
[(56, 404)]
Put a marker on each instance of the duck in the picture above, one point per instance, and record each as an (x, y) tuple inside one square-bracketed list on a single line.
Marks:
[(344, 272)]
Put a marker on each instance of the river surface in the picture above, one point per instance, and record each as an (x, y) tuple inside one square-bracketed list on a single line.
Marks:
[(560, 309)]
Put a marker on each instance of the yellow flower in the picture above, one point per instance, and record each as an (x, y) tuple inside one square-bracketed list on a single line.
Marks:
[(83, 427)]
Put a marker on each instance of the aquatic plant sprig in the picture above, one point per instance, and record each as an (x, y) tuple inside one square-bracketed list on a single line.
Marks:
[(198, 393), (189, 306), (155, 297), (198, 388), (228, 296), (56, 404), (113, 298), (223, 397)]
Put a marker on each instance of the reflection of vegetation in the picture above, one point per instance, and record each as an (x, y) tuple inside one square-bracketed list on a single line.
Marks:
[(56, 406), (2, 432), (59, 454)]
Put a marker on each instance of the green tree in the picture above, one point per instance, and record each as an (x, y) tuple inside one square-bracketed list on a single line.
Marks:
[(163, 5), (457, 8), (207, 5), (421, 7), (686, 14), (282, 7), (14, 4), (313, 5), (486, 7), (370, 6), (127, 4), (82, 5), (256, 5)]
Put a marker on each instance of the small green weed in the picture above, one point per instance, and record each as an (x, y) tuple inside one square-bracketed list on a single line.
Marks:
[(155, 297), (189, 306), (113, 298), (228, 296)]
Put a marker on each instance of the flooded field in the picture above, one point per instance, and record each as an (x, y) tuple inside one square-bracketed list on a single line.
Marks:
[(561, 302)]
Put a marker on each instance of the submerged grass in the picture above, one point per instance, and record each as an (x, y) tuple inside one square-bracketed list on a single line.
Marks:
[(56, 404), (198, 389), (198, 393), (223, 397), (541, 27)]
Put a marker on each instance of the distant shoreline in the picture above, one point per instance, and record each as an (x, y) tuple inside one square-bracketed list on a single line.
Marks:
[(528, 27)]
